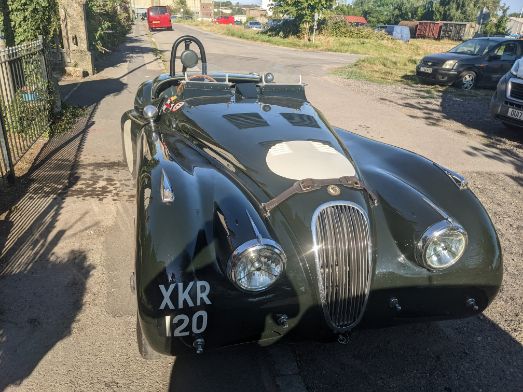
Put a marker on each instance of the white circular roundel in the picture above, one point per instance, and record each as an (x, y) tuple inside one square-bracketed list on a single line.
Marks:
[(302, 159)]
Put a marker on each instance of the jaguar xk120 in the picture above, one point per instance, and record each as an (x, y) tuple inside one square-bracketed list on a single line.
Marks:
[(257, 220)]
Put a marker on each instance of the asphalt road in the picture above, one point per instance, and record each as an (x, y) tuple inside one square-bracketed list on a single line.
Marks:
[(67, 319)]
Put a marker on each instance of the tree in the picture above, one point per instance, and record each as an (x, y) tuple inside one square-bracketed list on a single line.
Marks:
[(498, 26), (180, 7), (303, 11), (108, 22), (6, 27), (25, 20)]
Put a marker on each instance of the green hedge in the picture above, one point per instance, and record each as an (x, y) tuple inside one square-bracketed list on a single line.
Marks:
[(108, 22)]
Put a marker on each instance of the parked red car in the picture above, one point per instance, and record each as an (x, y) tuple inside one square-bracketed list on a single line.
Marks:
[(159, 18), (224, 20)]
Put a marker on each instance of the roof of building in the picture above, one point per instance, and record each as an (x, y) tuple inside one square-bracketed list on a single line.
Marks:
[(355, 19)]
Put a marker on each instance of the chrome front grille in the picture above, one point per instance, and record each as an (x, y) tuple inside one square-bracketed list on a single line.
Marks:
[(515, 90), (342, 248)]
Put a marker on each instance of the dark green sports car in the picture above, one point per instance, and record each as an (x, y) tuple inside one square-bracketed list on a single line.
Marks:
[(257, 220)]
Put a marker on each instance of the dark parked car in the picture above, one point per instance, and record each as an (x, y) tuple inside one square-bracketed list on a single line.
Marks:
[(479, 61), (257, 220), (507, 102)]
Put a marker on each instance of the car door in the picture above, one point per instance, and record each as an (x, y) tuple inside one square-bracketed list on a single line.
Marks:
[(500, 60)]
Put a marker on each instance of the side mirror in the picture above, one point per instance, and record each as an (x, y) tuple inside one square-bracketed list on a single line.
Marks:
[(150, 112), (492, 57)]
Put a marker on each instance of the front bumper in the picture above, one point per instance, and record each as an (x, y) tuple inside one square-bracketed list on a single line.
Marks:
[(229, 325), (161, 25), (501, 104), (438, 75)]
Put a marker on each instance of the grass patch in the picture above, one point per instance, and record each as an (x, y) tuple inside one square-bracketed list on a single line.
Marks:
[(392, 61), (385, 60), (157, 52), (66, 119)]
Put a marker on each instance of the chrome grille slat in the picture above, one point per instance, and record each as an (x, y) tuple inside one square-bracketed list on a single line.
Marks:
[(343, 259)]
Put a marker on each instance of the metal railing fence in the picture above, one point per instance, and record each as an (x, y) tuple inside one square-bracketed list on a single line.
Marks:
[(25, 102)]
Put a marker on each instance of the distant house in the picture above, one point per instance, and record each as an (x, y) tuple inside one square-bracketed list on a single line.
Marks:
[(257, 14), (356, 20), (515, 26)]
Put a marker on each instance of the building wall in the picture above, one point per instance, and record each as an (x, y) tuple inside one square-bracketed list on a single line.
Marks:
[(515, 25), (195, 7), (200, 9), (149, 3), (206, 11)]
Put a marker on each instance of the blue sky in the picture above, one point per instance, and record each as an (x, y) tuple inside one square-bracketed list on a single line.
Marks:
[(515, 5)]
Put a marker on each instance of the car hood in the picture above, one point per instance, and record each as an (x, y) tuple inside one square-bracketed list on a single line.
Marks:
[(268, 143), (440, 58)]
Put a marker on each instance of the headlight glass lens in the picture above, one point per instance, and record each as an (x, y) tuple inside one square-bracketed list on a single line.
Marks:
[(442, 245), (515, 68), (255, 266), (449, 64)]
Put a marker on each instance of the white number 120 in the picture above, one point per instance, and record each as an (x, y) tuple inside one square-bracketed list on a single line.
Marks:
[(198, 325)]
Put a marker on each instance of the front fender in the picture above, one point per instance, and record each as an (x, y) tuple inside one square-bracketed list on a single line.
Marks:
[(401, 178), (183, 243)]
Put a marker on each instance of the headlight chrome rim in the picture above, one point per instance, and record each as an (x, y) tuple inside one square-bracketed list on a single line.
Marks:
[(257, 244), (433, 233)]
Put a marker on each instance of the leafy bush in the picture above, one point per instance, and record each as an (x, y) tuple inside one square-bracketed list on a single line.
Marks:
[(108, 22), (338, 27), (27, 19), (286, 28)]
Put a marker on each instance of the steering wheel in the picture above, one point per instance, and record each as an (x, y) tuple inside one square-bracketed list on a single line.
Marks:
[(188, 57), (202, 76)]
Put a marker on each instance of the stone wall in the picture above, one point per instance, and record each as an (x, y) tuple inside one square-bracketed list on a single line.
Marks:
[(78, 57)]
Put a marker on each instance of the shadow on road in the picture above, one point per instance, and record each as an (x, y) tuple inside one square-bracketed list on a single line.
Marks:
[(42, 291), (121, 54), (236, 369), (464, 112), (466, 355)]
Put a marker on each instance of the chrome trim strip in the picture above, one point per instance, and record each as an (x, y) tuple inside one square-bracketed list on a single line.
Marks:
[(460, 181), (166, 189), (356, 272), (439, 210), (257, 233)]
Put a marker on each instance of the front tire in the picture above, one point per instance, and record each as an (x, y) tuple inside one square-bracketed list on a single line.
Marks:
[(467, 80), (144, 348)]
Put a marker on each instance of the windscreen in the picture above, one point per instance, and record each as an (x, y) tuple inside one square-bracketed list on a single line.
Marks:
[(156, 11), (474, 47)]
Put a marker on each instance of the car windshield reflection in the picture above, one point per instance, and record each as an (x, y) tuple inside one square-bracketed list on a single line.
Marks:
[(474, 47)]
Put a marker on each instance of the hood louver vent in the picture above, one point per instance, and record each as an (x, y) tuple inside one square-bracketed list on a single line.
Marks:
[(300, 120), (246, 120)]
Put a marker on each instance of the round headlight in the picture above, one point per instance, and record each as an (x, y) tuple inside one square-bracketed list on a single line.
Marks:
[(515, 68), (449, 64), (255, 266), (441, 245)]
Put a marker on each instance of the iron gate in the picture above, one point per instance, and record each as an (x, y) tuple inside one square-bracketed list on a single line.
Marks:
[(25, 102)]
